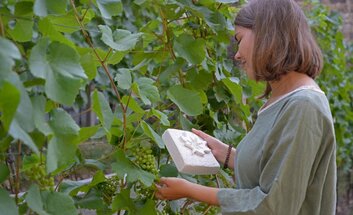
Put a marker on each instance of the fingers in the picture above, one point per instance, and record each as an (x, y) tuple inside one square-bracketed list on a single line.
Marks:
[(159, 195), (201, 134), (161, 189)]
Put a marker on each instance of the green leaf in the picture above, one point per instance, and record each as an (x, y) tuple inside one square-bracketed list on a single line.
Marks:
[(92, 200), (124, 78), (24, 113), (234, 88), (152, 134), (189, 48), (8, 53), (121, 40), (168, 170), (67, 23), (7, 204), (123, 167), (188, 101), (109, 8), (102, 109), (92, 163), (88, 62), (18, 132), (132, 104), (161, 116), (9, 101), (199, 79), (59, 65), (56, 203), (148, 208), (45, 7), (85, 133), (73, 187), (123, 201), (147, 91), (47, 28), (63, 125), (4, 172), (116, 57), (23, 30), (38, 103), (22, 122), (34, 200), (63, 145)]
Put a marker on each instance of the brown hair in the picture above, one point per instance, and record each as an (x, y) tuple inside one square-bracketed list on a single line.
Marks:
[(283, 40)]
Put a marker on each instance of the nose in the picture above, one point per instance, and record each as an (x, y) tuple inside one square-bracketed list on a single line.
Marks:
[(237, 56)]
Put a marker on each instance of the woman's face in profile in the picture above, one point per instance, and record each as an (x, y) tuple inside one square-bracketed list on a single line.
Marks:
[(245, 38)]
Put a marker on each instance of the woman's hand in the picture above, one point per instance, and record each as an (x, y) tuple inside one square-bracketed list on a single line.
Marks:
[(173, 188), (176, 188), (218, 148)]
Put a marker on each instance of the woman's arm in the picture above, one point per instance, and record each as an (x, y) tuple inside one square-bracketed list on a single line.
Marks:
[(176, 188)]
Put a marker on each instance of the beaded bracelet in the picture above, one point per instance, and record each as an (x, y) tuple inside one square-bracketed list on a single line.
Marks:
[(228, 156)]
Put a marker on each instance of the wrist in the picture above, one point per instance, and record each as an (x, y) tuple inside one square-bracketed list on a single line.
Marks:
[(228, 156)]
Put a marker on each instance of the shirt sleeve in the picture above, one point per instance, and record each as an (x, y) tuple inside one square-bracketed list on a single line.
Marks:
[(286, 165)]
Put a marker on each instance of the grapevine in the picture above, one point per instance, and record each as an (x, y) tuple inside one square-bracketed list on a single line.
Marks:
[(145, 159), (37, 174), (109, 189)]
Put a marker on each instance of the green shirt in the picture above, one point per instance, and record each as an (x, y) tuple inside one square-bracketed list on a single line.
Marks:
[(286, 164)]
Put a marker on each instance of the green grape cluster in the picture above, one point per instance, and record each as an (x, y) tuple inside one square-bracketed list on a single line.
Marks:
[(108, 188), (38, 174), (145, 159), (144, 192)]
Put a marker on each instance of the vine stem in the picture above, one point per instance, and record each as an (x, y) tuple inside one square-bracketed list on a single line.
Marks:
[(2, 28), (18, 164), (105, 68), (169, 46), (186, 204)]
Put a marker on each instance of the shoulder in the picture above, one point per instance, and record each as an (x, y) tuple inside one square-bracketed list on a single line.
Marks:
[(308, 101)]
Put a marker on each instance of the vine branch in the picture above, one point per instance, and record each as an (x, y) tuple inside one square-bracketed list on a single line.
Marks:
[(105, 68), (18, 164), (168, 44), (2, 29)]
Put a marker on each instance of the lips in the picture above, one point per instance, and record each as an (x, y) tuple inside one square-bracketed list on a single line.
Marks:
[(242, 64)]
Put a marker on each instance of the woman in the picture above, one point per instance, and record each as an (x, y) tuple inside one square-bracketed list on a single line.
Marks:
[(286, 164)]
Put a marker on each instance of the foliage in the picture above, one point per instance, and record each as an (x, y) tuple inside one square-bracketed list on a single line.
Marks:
[(141, 67), (336, 77)]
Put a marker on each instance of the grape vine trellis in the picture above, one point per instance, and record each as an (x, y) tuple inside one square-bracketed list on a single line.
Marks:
[(141, 66)]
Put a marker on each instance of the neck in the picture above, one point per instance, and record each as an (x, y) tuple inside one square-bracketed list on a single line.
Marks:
[(290, 82)]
